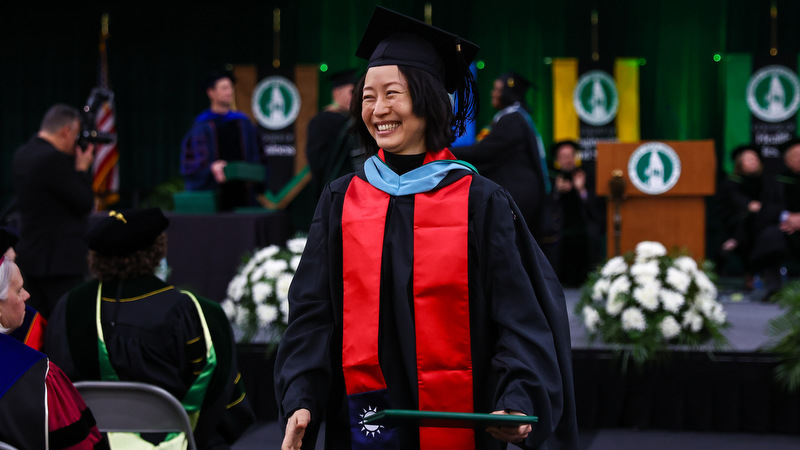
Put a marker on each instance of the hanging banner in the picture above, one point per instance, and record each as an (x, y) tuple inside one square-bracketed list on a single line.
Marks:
[(595, 102), (275, 106), (763, 93)]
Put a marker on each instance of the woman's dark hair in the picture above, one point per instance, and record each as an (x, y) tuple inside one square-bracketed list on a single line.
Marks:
[(141, 262), (429, 101)]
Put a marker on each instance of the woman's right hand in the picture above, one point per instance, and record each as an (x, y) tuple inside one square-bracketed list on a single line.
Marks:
[(296, 429)]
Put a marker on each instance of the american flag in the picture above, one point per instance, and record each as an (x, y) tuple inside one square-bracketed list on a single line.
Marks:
[(105, 169)]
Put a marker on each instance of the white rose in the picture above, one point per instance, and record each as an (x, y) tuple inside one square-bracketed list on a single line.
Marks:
[(646, 270), (693, 320), (686, 264), (295, 261), (671, 300), (229, 307), (718, 315), (647, 250), (296, 245), (600, 289), (647, 295), (266, 314), (620, 285), (261, 291), (669, 327), (678, 279), (282, 286), (257, 274), (236, 288), (614, 306), (275, 267), (705, 284), (614, 266), (267, 252), (633, 319), (590, 318)]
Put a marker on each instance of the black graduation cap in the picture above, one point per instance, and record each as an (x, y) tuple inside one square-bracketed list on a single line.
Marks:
[(8, 239), (342, 78), (216, 75), (515, 84), (394, 39), (124, 232), (738, 151)]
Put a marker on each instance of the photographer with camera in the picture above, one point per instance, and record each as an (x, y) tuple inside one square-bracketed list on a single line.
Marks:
[(53, 185)]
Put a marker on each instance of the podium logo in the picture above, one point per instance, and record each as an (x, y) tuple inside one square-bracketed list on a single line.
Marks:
[(654, 168), (276, 102), (595, 98), (773, 93)]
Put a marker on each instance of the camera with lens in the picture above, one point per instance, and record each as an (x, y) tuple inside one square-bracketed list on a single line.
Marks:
[(89, 134)]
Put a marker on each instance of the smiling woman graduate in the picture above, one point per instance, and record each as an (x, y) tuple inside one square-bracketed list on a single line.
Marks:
[(420, 288)]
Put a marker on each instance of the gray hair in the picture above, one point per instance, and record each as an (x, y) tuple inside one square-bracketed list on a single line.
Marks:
[(5, 277), (59, 116)]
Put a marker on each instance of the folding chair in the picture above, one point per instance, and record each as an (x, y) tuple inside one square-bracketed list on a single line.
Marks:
[(129, 406)]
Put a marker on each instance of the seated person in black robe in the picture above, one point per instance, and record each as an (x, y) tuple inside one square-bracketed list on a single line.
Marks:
[(149, 331), (740, 200), (778, 242)]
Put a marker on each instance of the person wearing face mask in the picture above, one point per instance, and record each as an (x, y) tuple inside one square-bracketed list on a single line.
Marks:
[(39, 406), (53, 185), (421, 287)]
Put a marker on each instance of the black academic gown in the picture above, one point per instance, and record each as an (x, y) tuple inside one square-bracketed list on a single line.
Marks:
[(156, 338), (772, 246), (509, 156), (519, 328), (735, 194)]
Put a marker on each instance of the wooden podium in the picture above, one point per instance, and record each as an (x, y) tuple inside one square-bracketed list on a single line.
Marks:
[(676, 217)]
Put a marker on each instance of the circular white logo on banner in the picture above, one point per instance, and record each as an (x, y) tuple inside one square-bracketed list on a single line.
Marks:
[(595, 98), (654, 168), (773, 93), (276, 102)]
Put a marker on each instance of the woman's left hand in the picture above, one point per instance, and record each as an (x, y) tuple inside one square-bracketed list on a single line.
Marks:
[(510, 433)]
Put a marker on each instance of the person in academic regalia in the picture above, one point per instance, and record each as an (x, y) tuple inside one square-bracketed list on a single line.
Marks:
[(39, 406), (740, 200), (579, 216), (217, 136), (31, 332), (149, 331), (510, 152), (332, 150), (421, 287), (779, 221)]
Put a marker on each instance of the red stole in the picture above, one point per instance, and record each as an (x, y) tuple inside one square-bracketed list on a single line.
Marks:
[(441, 299)]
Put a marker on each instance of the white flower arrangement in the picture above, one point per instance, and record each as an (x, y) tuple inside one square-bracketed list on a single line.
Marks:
[(258, 295), (647, 300)]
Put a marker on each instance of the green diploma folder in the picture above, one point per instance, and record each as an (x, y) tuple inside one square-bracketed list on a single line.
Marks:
[(446, 419)]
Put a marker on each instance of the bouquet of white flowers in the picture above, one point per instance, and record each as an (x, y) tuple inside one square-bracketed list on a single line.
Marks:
[(258, 295), (647, 300)]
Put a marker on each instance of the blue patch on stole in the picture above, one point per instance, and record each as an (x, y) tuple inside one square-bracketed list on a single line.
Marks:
[(366, 436)]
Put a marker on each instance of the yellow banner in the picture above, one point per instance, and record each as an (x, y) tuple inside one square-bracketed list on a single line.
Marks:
[(566, 125)]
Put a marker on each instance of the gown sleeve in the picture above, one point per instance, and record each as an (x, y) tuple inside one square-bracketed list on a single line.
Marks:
[(303, 365), (532, 354)]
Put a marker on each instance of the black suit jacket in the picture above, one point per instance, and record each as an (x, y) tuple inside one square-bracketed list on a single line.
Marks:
[(54, 202)]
